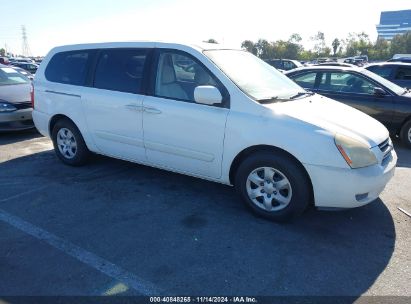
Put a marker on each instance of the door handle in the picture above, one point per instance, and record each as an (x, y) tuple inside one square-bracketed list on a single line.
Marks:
[(152, 110), (134, 107)]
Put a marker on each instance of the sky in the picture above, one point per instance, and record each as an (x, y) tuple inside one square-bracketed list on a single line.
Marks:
[(50, 23)]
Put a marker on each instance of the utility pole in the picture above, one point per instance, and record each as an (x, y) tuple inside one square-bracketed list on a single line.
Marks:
[(25, 44)]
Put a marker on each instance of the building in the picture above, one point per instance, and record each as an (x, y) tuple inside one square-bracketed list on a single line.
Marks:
[(394, 23)]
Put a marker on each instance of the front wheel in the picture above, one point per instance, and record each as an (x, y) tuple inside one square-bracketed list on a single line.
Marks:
[(273, 185), (406, 134)]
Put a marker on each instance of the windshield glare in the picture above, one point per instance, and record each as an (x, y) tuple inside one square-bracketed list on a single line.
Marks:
[(391, 86), (9, 76), (253, 76)]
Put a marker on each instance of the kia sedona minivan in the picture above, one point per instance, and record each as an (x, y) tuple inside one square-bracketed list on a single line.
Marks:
[(215, 113)]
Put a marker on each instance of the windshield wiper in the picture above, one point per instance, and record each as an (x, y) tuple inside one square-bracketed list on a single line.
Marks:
[(270, 100), (299, 94)]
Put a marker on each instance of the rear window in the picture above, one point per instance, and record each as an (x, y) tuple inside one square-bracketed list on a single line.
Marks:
[(120, 70), (69, 67), (9, 76)]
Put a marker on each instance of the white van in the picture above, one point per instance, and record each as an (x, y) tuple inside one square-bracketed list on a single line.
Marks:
[(219, 114)]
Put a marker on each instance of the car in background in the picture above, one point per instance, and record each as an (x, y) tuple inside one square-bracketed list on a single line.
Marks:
[(396, 72), (24, 72), (333, 63), (4, 61), (30, 67), (16, 95), (284, 64), (401, 59), (364, 90)]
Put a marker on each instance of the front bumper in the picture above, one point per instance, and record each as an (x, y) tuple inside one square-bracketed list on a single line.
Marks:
[(350, 188), (16, 120)]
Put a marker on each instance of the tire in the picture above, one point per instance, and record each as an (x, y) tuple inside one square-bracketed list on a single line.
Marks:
[(405, 134), (288, 192), (65, 134)]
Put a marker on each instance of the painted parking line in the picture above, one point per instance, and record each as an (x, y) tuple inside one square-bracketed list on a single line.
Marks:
[(129, 279)]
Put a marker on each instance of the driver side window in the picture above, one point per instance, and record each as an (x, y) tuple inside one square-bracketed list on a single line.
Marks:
[(178, 75), (346, 83)]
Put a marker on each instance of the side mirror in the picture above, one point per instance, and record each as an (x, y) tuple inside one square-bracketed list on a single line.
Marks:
[(208, 95), (379, 92)]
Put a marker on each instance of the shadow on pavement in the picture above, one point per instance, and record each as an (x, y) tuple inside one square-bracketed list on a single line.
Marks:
[(404, 154), (190, 236), (17, 136)]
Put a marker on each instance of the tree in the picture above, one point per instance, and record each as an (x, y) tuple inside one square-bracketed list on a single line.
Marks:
[(264, 49), (211, 40), (335, 44), (249, 46), (319, 40), (2, 52)]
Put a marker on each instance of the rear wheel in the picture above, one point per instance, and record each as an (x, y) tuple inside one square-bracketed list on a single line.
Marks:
[(273, 185), (406, 134), (69, 144)]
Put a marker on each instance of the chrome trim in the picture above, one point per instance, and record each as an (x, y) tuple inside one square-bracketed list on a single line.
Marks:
[(62, 93)]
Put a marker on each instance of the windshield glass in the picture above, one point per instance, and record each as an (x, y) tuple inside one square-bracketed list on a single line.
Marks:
[(391, 86), (253, 76), (9, 76)]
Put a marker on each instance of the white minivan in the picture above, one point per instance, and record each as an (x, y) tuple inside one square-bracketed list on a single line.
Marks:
[(215, 113)]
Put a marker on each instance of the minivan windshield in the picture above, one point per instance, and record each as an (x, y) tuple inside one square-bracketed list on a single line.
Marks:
[(254, 77)]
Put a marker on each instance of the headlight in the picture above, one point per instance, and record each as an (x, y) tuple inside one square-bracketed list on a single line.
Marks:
[(355, 153), (7, 107)]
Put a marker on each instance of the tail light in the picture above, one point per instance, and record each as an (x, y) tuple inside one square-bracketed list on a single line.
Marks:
[(32, 95)]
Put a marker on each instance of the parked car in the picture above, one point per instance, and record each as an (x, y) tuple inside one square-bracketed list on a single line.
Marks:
[(21, 60), (236, 121), (400, 59), (30, 67), (4, 61), (284, 64), (333, 63), (364, 90), (396, 72), (15, 100), (24, 72)]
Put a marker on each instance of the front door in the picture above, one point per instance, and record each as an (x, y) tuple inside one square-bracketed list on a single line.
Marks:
[(356, 91), (179, 133)]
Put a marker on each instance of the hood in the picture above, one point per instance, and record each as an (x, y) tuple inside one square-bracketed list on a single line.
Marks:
[(15, 93), (334, 117)]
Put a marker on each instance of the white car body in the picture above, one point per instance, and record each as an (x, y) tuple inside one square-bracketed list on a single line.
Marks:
[(204, 141)]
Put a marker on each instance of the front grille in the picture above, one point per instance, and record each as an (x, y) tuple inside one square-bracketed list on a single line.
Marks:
[(22, 105), (386, 147)]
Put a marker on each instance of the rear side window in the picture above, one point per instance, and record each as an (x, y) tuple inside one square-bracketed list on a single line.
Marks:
[(120, 70), (383, 71), (68, 67), (403, 73)]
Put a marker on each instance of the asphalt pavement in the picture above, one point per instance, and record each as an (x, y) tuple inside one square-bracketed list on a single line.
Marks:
[(118, 228)]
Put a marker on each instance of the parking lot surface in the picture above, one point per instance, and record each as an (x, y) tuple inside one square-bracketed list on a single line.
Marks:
[(114, 227)]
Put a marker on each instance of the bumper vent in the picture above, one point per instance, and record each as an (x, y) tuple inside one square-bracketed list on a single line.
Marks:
[(386, 147)]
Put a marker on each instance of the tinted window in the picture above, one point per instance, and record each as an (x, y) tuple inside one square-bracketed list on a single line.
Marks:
[(68, 67), (345, 82), (120, 70), (306, 80), (178, 75), (383, 71), (403, 73), (288, 65)]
